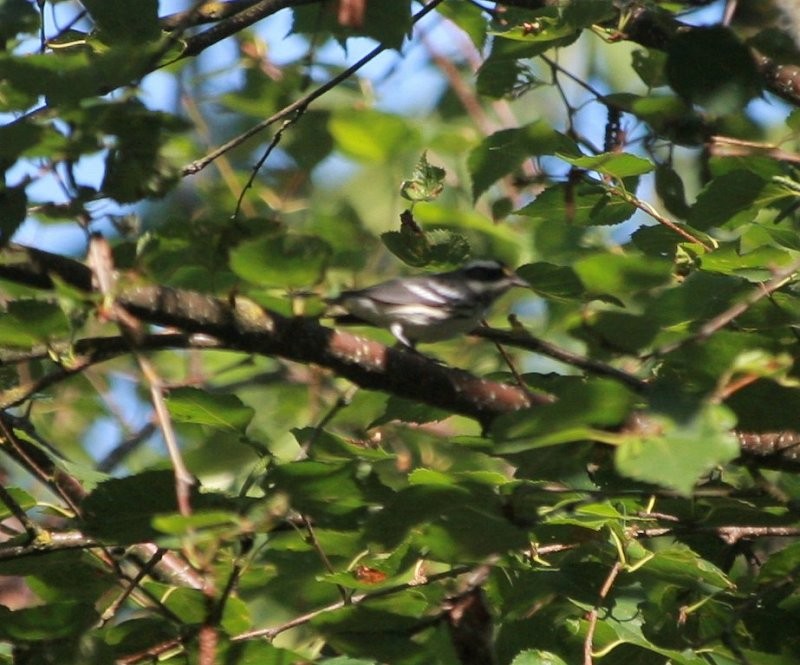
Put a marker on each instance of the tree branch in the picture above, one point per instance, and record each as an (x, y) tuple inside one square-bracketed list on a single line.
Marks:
[(237, 21), (244, 326)]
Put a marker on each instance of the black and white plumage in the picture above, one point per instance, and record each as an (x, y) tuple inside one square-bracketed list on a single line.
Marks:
[(430, 308)]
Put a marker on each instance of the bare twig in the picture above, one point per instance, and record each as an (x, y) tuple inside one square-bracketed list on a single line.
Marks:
[(609, 582), (53, 542), (276, 139), (312, 538)]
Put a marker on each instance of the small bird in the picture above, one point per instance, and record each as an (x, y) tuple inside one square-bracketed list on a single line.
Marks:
[(429, 308)]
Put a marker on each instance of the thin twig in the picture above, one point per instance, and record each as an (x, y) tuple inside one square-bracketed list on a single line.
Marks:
[(721, 320), (342, 402), (271, 633), (587, 642), (125, 448), (276, 139), (508, 361), (31, 528), (312, 538), (183, 478), (661, 219), (524, 340)]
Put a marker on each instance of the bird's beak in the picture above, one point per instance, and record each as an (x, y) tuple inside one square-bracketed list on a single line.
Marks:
[(515, 279)]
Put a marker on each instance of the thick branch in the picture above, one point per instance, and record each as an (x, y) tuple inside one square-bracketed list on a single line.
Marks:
[(244, 326), (236, 22), (210, 12)]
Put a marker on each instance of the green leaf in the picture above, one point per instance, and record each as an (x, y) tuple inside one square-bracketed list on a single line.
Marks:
[(46, 622), (253, 652), (669, 187), (371, 136), (724, 198), (452, 522), (135, 167), (118, 20), (426, 183), (286, 260), (679, 565), (122, 509), (553, 281), (191, 606), (419, 248), (219, 410), (668, 116), (617, 165), (581, 405), (503, 152), (32, 320), (622, 275), (328, 491), (378, 629), (621, 331), (536, 657), (584, 204), (649, 65), (678, 453), (68, 77), (139, 634), (727, 78), (469, 18), (183, 525), (586, 14), (324, 446), (16, 16), (408, 411), (22, 498)]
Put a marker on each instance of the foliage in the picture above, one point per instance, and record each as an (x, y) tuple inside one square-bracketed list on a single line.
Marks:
[(196, 468)]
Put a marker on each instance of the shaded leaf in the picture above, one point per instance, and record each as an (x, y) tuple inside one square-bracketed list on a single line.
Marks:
[(504, 151), (727, 79)]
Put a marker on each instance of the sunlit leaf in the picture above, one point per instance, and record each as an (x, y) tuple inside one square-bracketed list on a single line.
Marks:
[(676, 454), (288, 261), (219, 410)]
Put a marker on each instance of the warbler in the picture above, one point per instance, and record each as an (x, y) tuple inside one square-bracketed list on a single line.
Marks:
[(429, 308)]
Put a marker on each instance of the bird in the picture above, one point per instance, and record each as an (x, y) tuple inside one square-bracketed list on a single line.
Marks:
[(432, 307)]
